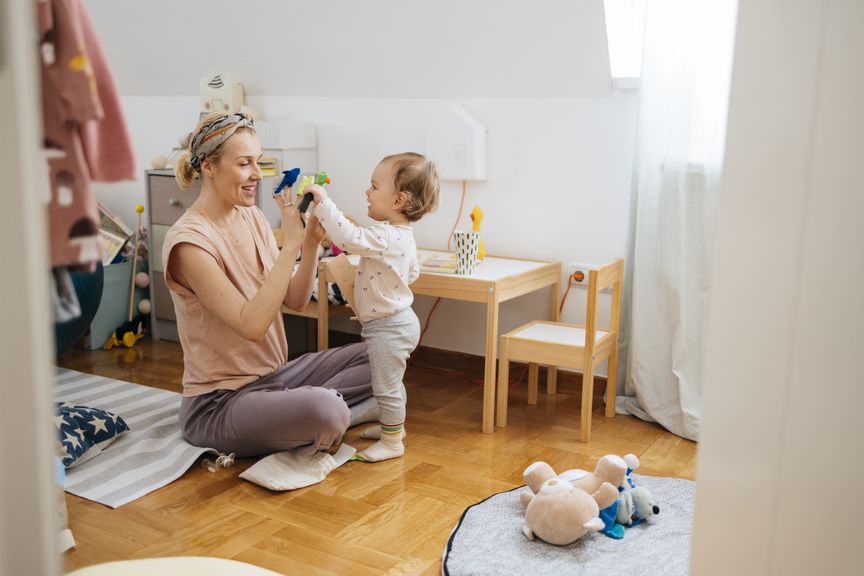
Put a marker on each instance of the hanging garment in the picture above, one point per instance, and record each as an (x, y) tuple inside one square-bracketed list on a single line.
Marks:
[(107, 144), (69, 98)]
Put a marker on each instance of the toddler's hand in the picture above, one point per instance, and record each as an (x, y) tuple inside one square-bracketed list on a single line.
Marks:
[(319, 193), (315, 232)]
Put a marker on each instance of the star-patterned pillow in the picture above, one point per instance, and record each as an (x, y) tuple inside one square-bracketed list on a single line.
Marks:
[(85, 432)]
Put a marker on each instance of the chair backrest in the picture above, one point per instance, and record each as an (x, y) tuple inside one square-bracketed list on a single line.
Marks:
[(600, 279)]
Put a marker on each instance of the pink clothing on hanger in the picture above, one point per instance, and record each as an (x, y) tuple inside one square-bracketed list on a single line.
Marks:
[(69, 98), (85, 133), (107, 144)]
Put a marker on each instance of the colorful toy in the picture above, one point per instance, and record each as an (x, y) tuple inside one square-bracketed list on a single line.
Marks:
[(320, 179), (635, 503), (289, 177), (560, 514), (635, 506), (610, 469), (476, 219), (133, 329), (127, 334)]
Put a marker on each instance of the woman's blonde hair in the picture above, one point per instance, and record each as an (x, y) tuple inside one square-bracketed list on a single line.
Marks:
[(415, 175), (184, 171)]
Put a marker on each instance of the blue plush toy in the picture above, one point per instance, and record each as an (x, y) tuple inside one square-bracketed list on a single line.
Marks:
[(289, 177)]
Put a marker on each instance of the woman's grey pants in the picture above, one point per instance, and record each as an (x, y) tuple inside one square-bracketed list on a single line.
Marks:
[(304, 405)]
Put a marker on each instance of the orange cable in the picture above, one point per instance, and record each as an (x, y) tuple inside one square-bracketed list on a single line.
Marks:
[(564, 299), (459, 215)]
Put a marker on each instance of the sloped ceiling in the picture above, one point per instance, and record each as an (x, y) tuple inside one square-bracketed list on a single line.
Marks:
[(358, 48)]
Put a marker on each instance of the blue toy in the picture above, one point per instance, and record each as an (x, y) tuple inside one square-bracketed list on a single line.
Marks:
[(289, 177)]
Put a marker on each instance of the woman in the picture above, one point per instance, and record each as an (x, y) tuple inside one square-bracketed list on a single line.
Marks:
[(228, 281)]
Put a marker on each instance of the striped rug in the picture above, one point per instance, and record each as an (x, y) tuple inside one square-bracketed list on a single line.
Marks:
[(150, 455)]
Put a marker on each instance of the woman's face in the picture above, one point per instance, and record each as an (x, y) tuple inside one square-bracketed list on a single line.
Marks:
[(382, 194), (236, 174)]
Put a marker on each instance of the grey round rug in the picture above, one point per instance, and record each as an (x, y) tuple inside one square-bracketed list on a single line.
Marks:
[(489, 540)]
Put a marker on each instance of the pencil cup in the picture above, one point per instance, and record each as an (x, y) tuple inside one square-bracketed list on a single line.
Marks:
[(466, 250)]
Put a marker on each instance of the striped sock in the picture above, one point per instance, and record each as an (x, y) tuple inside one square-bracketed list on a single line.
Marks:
[(374, 432), (389, 446)]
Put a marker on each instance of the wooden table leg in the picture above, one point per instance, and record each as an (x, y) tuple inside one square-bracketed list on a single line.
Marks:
[(491, 361), (552, 371), (323, 312)]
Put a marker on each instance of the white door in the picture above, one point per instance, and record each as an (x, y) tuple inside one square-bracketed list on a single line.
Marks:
[(28, 491)]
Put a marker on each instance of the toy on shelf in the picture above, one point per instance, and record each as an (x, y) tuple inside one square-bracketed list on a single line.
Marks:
[(128, 333), (476, 219)]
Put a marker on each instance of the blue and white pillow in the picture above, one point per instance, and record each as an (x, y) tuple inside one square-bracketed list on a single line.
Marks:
[(85, 432)]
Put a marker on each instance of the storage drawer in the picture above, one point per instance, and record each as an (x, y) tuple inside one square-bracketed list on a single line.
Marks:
[(167, 200), (163, 306)]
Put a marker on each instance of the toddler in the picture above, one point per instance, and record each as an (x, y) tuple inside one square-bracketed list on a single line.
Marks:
[(404, 187)]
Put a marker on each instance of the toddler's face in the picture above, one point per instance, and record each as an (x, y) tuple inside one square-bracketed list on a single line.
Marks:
[(382, 194)]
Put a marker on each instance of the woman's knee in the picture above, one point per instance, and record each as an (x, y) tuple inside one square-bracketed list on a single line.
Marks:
[(327, 411)]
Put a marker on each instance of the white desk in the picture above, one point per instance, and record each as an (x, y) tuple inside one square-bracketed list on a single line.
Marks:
[(495, 280)]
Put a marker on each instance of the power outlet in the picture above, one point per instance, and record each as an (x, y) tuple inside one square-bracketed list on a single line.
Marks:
[(578, 272)]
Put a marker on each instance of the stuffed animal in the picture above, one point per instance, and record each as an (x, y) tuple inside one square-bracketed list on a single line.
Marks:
[(610, 468), (561, 514), (635, 506), (577, 514)]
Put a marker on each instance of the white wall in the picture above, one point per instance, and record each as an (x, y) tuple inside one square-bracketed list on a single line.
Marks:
[(373, 48), (780, 459), (558, 162)]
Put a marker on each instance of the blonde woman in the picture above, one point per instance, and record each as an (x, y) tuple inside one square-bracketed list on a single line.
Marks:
[(228, 281)]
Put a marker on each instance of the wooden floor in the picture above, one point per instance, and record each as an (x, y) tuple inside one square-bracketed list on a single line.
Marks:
[(392, 517)]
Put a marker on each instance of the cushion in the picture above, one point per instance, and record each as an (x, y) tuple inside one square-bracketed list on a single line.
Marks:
[(85, 432), (290, 470)]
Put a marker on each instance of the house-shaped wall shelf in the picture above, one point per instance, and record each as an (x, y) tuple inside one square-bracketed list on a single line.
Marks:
[(456, 142)]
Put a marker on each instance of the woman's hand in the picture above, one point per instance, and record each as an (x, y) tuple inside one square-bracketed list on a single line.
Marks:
[(292, 227)]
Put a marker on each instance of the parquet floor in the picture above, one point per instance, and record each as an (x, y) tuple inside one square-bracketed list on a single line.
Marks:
[(392, 517)]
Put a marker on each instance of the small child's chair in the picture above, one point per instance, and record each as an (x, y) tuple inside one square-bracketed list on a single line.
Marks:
[(556, 344)]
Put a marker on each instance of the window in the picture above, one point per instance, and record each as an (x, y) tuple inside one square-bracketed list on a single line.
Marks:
[(624, 27)]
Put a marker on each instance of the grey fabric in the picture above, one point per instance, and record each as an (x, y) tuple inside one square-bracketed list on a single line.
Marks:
[(391, 340), (151, 454), (304, 404), (489, 540)]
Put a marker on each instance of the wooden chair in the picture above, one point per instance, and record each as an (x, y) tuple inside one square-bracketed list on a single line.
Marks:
[(556, 344)]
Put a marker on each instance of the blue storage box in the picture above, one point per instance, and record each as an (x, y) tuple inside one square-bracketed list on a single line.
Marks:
[(114, 306)]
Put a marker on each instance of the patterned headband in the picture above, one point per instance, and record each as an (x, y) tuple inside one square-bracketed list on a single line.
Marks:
[(211, 136)]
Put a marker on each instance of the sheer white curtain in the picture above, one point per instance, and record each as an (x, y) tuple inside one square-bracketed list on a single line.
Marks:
[(687, 60)]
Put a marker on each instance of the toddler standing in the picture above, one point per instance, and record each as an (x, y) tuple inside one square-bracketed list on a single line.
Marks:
[(404, 187)]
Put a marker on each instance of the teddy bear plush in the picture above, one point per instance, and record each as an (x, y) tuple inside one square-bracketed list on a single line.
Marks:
[(611, 469), (560, 514)]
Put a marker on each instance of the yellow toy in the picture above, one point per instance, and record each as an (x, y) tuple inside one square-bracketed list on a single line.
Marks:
[(476, 219), (128, 333)]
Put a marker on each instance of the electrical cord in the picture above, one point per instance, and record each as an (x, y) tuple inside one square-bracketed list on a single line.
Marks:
[(564, 298), (459, 215)]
